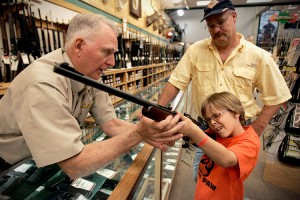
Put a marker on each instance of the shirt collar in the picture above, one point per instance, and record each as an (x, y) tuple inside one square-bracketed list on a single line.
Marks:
[(76, 86), (241, 45)]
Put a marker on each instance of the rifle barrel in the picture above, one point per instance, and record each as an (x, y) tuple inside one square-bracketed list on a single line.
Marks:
[(65, 70)]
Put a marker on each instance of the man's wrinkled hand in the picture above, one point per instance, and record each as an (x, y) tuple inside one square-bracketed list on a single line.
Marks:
[(160, 134)]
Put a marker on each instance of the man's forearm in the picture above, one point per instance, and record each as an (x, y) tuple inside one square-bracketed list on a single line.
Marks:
[(169, 92), (116, 126), (264, 118), (98, 154)]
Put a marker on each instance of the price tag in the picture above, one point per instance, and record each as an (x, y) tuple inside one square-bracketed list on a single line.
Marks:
[(188, 155), (14, 63), (128, 65), (106, 191), (80, 197), (25, 58), (169, 167), (83, 184), (171, 160), (106, 173), (40, 188), (5, 60), (23, 168), (171, 154), (133, 156)]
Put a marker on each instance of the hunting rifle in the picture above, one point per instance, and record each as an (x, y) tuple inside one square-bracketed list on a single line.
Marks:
[(150, 110)]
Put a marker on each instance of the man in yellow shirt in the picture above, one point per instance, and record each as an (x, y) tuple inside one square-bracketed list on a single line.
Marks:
[(227, 62)]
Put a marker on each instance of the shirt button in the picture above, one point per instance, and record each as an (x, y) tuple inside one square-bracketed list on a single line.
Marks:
[(220, 84)]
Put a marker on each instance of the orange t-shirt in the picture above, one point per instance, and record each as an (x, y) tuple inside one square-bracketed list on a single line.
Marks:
[(216, 182)]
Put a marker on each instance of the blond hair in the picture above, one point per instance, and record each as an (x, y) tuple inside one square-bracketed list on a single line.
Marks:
[(224, 101)]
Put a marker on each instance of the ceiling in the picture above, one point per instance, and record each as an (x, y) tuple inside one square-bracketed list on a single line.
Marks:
[(191, 4)]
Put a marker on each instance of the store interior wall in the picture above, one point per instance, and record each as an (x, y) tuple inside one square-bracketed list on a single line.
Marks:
[(195, 29), (62, 15)]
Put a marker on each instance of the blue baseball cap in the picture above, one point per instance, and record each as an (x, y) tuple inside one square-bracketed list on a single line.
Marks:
[(217, 7)]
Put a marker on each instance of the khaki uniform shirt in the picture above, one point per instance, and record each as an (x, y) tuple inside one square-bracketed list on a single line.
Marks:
[(42, 111), (248, 67)]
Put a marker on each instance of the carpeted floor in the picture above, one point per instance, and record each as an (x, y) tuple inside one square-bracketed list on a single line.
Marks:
[(256, 188)]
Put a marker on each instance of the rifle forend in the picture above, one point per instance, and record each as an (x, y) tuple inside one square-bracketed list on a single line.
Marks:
[(150, 110)]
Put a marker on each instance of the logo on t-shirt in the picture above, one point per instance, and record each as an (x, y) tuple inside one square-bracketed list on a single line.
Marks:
[(205, 168)]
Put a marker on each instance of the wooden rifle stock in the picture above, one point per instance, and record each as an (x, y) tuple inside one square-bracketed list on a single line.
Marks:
[(150, 110)]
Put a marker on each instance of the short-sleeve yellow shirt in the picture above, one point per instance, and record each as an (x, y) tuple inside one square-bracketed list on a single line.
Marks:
[(247, 67)]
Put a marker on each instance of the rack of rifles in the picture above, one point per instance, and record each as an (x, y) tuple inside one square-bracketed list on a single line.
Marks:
[(26, 37)]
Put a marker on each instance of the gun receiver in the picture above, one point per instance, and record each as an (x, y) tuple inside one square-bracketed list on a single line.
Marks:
[(150, 110)]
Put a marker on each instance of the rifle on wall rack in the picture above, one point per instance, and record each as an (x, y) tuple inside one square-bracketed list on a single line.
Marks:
[(58, 35), (35, 40), (23, 33), (14, 51), (42, 33), (48, 34), (53, 32), (5, 50)]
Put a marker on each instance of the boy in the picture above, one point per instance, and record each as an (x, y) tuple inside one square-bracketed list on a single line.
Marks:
[(229, 159)]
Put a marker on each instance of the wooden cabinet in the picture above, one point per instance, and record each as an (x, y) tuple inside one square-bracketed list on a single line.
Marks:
[(135, 79)]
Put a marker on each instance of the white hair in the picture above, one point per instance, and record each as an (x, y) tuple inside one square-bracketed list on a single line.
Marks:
[(87, 25)]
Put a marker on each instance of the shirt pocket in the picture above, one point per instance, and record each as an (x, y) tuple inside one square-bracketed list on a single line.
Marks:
[(244, 77), (242, 84), (203, 79)]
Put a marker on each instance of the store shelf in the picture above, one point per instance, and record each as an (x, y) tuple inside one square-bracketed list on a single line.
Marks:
[(135, 79)]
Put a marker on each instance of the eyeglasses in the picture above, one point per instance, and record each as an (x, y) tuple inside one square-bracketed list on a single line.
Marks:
[(219, 24), (215, 116)]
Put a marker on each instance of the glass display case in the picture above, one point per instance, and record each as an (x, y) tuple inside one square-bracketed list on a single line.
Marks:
[(143, 173)]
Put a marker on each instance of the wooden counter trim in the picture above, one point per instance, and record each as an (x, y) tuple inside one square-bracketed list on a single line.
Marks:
[(134, 174)]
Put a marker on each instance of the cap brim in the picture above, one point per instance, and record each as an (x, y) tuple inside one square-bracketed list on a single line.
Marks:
[(215, 12)]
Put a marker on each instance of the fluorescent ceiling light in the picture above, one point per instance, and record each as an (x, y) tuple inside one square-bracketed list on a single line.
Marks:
[(180, 12), (202, 3), (258, 1)]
